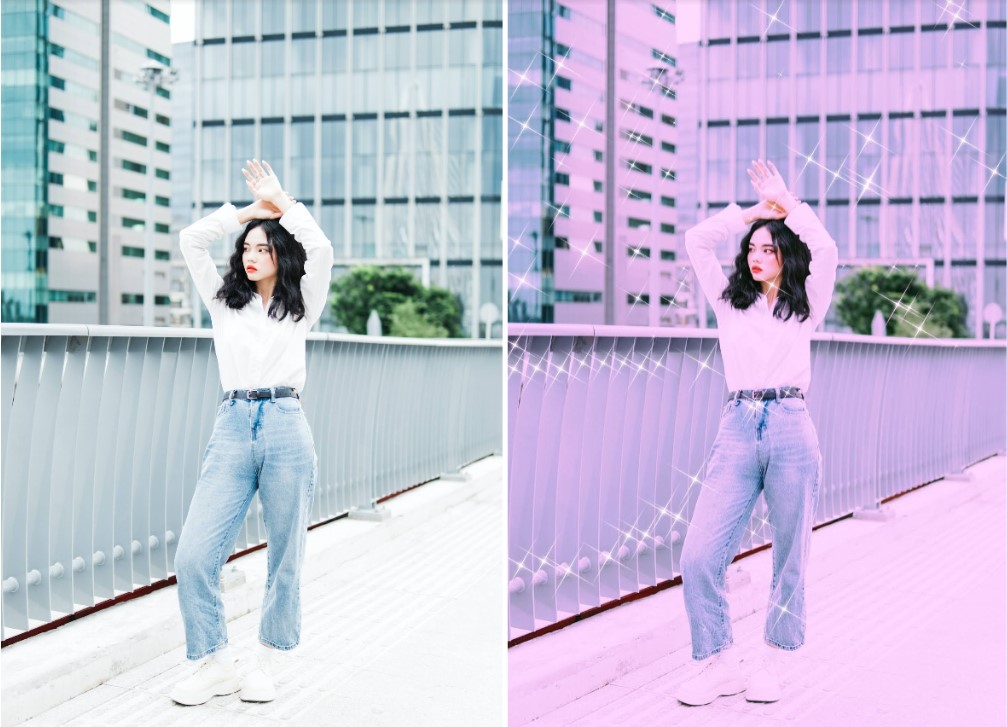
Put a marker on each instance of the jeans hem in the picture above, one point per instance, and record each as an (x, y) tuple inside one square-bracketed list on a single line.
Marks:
[(785, 648), (267, 642), (714, 652), (209, 651)]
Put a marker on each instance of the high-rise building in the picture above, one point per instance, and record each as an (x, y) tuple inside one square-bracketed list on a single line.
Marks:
[(592, 164), (887, 117), (83, 147), (383, 116)]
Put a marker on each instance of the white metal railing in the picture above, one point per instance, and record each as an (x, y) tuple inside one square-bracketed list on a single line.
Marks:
[(606, 426), (103, 430)]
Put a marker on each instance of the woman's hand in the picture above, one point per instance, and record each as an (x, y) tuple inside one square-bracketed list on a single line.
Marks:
[(764, 210), (264, 185), (260, 209), (769, 185)]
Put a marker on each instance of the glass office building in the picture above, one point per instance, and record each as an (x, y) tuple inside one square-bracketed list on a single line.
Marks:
[(384, 117), (592, 166), (888, 117), (77, 148)]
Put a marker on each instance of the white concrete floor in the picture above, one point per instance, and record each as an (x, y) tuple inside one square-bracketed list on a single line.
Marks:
[(905, 627), (410, 632)]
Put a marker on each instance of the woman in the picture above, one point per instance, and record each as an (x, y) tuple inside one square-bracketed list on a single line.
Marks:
[(275, 289), (777, 295)]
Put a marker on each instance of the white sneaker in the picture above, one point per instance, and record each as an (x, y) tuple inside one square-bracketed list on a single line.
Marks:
[(257, 683), (720, 676), (764, 681), (211, 678)]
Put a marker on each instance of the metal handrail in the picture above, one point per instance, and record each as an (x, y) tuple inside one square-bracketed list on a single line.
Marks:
[(103, 430), (607, 426)]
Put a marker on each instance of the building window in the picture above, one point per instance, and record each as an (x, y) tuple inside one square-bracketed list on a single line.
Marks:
[(564, 83), (668, 229), (667, 201), (636, 222), (668, 174), (639, 166), (638, 194), (638, 299), (667, 255), (577, 296), (562, 178), (637, 137), (669, 120), (663, 57), (638, 251), (663, 14), (131, 137), (637, 108), (597, 216), (72, 296)]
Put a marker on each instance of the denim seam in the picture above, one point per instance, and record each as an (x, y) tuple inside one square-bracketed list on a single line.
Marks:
[(723, 559), (229, 537)]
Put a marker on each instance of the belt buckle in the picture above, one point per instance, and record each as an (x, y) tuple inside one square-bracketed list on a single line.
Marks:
[(252, 394), (757, 394)]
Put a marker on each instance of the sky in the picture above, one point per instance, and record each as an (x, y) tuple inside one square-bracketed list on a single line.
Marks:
[(183, 18)]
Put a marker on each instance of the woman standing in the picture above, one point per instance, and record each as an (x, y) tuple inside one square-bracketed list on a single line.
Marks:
[(276, 287), (780, 289)]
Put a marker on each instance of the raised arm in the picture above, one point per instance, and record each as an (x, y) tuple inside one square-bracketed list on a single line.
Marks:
[(701, 244), (821, 281), (801, 219), (195, 240), (318, 267), (264, 184)]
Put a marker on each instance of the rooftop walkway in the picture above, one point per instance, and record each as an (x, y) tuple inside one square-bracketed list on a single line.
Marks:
[(403, 624), (905, 627)]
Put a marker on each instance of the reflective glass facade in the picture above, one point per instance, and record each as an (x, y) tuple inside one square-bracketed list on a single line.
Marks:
[(79, 145), (24, 171), (888, 118), (384, 117), (592, 165)]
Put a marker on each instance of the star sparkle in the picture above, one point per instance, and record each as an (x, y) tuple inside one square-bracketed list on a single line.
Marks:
[(954, 11), (774, 17)]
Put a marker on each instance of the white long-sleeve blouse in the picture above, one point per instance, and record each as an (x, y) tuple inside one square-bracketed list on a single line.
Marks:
[(760, 351), (254, 350)]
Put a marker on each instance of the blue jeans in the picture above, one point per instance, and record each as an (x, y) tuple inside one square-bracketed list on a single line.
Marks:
[(769, 447), (263, 445)]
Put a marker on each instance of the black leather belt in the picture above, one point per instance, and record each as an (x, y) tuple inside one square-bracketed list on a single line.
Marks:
[(781, 392), (277, 392)]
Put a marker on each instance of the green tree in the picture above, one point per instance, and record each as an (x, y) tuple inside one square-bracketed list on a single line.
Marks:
[(443, 309), (409, 322), (383, 289), (910, 308)]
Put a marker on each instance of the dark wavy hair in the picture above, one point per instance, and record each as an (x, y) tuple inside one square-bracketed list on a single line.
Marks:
[(742, 289), (237, 289)]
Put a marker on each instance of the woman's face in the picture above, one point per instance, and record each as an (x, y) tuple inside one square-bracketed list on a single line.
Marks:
[(258, 260), (764, 258)]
